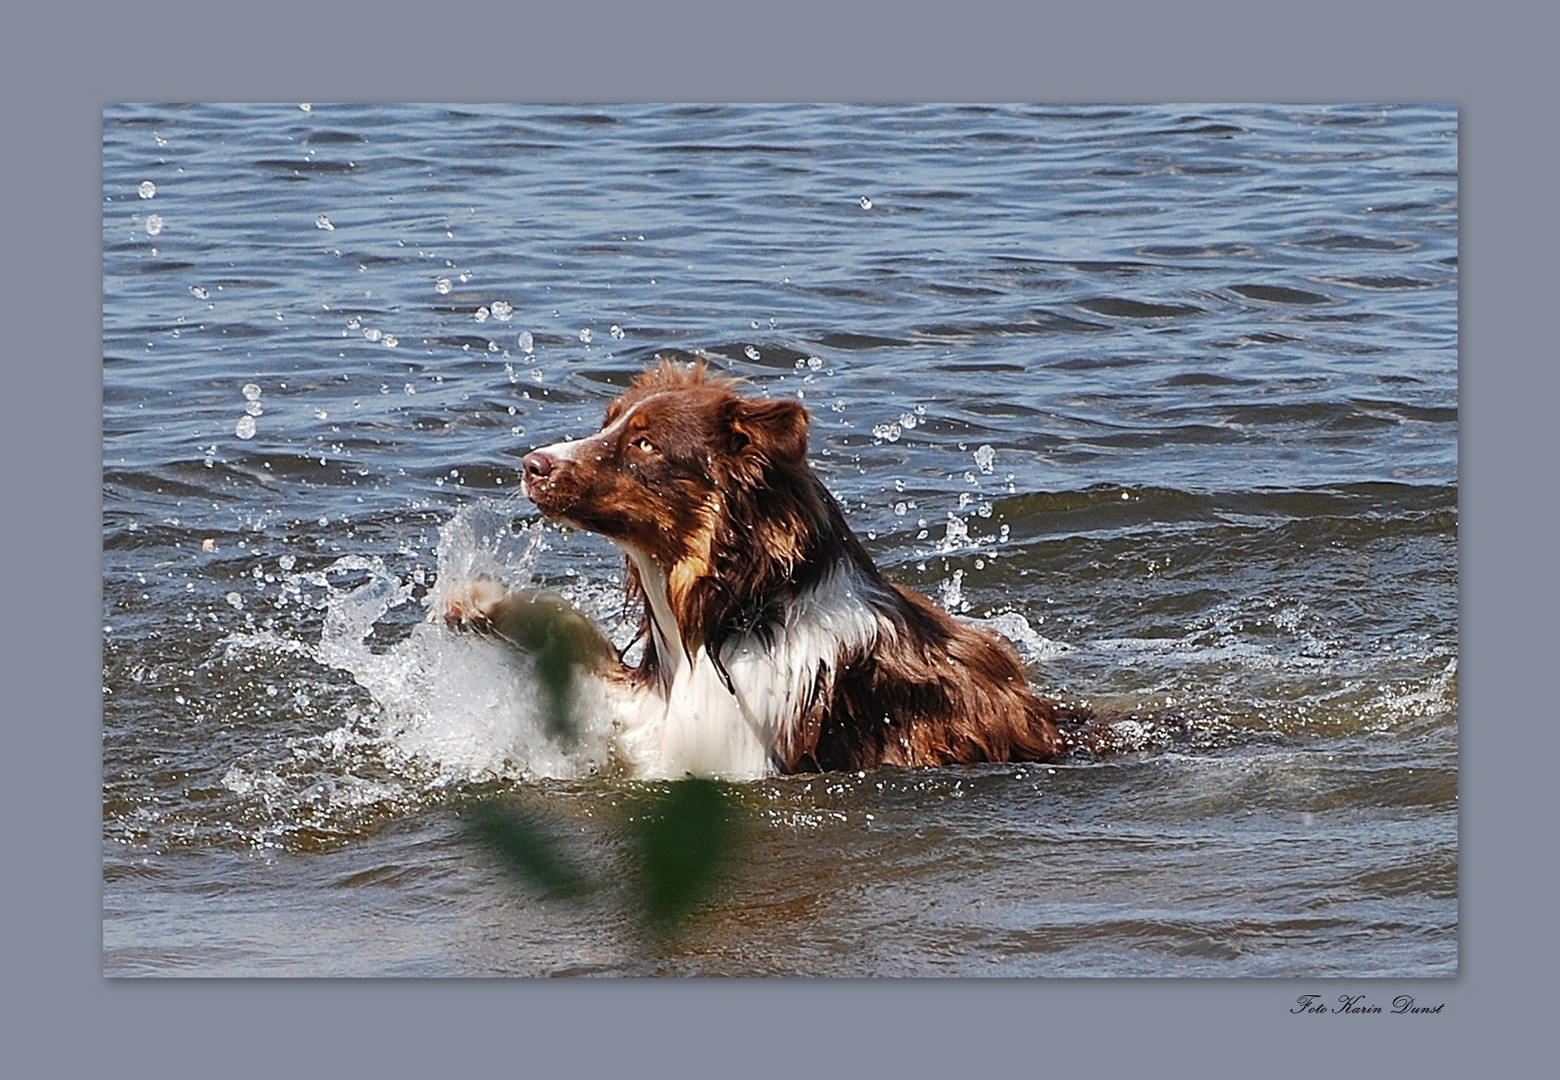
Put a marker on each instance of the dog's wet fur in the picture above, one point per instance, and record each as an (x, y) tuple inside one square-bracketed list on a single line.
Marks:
[(772, 643)]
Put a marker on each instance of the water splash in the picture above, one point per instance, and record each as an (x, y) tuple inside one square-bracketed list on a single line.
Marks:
[(1033, 646), (465, 705), (446, 707), (480, 542)]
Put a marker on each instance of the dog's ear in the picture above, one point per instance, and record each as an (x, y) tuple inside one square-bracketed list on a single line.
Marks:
[(774, 429)]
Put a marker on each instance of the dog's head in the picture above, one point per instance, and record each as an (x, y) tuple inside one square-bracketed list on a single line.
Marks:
[(679, 454)]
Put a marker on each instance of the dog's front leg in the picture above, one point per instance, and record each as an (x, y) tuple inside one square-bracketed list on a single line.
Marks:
[(537, 622)]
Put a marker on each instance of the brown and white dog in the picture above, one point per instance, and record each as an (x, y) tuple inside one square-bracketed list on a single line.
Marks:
[(771, 641)]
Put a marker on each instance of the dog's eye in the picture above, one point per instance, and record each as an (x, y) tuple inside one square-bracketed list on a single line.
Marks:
[(645, 444)]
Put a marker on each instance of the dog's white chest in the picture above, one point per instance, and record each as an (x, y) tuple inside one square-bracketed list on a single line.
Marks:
[(696, 723), (698, 726)]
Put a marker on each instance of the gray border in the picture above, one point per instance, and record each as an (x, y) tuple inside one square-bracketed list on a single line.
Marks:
[(59, 69)]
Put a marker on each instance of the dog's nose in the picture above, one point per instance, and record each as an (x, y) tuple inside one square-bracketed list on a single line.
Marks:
[(538, 465)]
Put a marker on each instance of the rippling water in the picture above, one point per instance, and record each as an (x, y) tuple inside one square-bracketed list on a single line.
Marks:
[(1168, 394)]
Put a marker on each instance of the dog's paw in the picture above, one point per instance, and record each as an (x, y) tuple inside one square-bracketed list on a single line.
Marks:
[(541, 623), (467, 605)]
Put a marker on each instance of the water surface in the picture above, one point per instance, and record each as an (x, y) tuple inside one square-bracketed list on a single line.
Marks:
[(1168, 394)]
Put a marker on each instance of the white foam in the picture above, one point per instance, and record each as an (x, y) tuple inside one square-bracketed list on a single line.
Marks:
[(1032, 645), (470, 707), (449, 707)]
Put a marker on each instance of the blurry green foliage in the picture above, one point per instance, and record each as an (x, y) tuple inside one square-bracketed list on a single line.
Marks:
[(684, 841), (556, 656), (558, 639), (524, 848), (683, 838), (683, 835)]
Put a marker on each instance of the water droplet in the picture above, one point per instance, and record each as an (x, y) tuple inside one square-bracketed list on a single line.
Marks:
[(908, 421), (245, 428), (866, 203), (320, 414), (147, 189), (251, 391), (198, 293), (254, 408), (442, 286), (391, 341), (236, 600), (525, 341), (287, 562), (901, 508), (154, 224), (502, 310), (323, 222), (888, 432), (986, 457), (373, 334), (354, 323), (616, 332), (815, 362), (481, 314), (410, 389), (751, 353), (585, 335)]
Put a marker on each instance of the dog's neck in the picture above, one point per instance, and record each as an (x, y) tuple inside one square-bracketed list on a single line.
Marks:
[(730, 592), (667, 647)]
